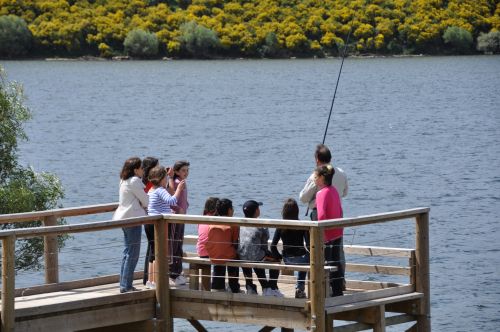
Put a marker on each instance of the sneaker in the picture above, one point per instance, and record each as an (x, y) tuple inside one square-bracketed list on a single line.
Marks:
[(267, 292), (150, 285), (180, 280), (251, 289), (300, 294), (277, 293), (133, 289)]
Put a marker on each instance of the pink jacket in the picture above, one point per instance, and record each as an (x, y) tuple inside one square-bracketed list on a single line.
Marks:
[(202, 240), (329, 207)]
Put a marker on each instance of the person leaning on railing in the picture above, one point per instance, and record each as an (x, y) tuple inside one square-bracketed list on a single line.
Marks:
[(221, 246), (132, 203), (294, 251)]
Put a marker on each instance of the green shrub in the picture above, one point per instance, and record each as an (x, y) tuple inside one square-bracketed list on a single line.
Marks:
[(15, 37), (489, 42), (22, 189), (141, 43), (197, 40), (458, 38), (271, 47)]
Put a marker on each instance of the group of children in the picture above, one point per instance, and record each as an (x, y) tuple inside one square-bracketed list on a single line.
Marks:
[(167, 193)]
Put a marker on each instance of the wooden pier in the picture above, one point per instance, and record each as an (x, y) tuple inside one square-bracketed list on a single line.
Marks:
[(95, 304)]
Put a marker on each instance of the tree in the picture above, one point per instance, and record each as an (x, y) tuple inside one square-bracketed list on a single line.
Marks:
[(15, 37), (198, 40), (489, 42), (458, 38), (141, 43), (22, 189)]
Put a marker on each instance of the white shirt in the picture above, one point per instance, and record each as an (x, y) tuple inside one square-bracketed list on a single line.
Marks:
[(133, 200), (308, 193)]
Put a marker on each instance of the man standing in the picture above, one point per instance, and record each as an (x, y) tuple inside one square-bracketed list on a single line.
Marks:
[(307, 195)]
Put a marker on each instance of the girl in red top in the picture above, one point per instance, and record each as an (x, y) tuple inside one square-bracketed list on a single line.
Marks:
[(149, 267), (329, 207)]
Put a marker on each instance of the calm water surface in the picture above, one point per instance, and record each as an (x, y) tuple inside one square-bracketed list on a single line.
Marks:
[(408, 131)]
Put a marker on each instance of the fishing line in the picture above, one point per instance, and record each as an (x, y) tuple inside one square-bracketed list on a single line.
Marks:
[(337, 85)]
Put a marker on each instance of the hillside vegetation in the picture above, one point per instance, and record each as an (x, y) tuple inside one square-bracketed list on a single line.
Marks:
[(242, 28)]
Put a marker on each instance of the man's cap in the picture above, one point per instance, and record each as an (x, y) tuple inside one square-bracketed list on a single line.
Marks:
[(250, 207)]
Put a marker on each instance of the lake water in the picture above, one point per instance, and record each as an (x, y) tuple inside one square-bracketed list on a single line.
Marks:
[(408, 132)]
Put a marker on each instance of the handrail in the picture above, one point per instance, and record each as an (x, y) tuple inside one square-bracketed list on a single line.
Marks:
[(420, 272), (63, 212)]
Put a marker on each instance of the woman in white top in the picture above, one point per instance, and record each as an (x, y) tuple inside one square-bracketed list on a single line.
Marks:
[(132, 203)]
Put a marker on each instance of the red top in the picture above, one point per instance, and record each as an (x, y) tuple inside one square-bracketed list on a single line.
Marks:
[(149, 185), (329, 207), (222, 242)]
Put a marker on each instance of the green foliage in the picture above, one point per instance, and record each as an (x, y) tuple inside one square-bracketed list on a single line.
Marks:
[(271, 47), (458, 38), (197, 40), (15, 37), (141, 43), (13, 114), (240, 27), (489, 42), (22, 189)]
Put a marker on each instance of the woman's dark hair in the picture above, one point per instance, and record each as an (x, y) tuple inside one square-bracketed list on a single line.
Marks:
[(147, 164), (290, 210), (129, 166), (222, 206), (178, 165), (323, 154), (156, 174), (327, 172), (210, 205)]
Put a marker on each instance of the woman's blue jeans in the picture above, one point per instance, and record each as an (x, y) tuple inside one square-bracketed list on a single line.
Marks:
[(299, 260), (132, 237)]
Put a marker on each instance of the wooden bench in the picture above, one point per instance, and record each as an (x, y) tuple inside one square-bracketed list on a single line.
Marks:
[(197, 264)]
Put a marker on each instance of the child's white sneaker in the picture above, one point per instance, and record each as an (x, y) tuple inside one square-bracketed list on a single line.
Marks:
[(180, 280), (267, 292), (150, 285)]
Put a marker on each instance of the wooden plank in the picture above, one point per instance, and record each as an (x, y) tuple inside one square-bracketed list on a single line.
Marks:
[(269, 265), (51, 253), (8, 284), (352, 299), (75, 284), (241, 314), (373, 302), (371, 285), (377, 251), (166, 322), (410, 307), (63, 212), (317, 280), (379, 322), (83, 227), (242, 222), (422, 270), (75, 300), (379, 269), (144, 326), (235, 298), (89, 319), (373, 218)]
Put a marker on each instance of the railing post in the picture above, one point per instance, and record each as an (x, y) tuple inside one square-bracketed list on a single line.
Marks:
[(317, 280), (8, 283), (51, 253), (422, 278), (165, 321)]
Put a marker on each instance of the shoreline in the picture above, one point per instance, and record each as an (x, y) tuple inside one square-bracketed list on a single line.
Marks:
[(129, 58)]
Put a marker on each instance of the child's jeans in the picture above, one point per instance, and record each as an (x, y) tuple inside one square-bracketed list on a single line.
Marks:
[(298, 260)]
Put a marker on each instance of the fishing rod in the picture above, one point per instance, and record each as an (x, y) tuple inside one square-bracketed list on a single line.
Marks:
[(337, 85), (334, 94)]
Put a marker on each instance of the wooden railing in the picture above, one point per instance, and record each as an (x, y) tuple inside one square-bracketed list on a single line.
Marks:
[(419, 269)]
